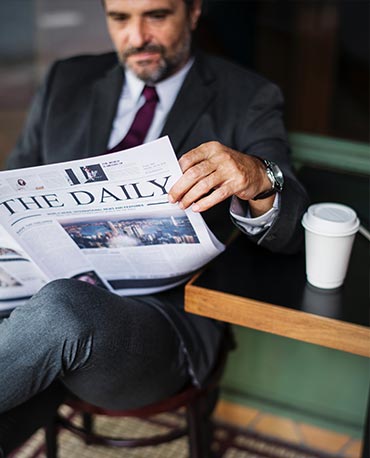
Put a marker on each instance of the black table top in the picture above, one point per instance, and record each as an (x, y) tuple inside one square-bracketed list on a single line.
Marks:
[(247, 270)]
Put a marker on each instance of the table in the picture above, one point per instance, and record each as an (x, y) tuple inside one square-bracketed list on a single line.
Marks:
[(250, 286)]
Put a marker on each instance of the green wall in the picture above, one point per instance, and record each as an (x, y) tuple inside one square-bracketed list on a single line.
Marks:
[(298, 380), (329, 152)]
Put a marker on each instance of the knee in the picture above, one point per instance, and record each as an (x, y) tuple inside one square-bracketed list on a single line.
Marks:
[(59, 304), (56, 295)]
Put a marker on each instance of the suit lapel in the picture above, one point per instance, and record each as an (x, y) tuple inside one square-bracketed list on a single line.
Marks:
[(196, 93), (105, 97)]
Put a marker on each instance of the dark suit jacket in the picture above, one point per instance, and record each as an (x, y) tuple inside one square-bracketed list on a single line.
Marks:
[(72, 115)]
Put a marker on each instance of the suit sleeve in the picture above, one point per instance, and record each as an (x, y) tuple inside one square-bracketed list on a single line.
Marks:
[(261, 132)]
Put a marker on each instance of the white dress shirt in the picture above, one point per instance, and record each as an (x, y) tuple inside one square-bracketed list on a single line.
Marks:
[(131, 100)]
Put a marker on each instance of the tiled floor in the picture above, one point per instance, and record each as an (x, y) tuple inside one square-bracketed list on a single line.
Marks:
[(252, 434), (326, 441)]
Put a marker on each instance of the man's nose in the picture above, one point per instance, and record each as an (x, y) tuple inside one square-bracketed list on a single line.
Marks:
[(138, 34)]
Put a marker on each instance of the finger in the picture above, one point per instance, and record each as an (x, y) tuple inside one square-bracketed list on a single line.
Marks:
[(196, 155), (189, 179), (214, 198), (199, 190)]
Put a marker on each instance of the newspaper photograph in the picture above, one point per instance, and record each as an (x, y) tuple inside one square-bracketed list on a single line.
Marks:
[(105, 220)]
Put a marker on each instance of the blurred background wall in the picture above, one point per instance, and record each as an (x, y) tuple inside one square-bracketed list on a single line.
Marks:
[(318, 52)]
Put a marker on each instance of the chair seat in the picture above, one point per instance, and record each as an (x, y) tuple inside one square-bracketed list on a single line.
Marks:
[(198, 404), (189, 394), (186, 397)]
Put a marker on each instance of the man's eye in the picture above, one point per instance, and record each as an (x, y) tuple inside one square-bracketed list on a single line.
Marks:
[(158, 15), (118, 17)]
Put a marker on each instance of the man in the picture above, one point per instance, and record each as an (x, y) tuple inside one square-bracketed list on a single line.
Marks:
[(225, 125)]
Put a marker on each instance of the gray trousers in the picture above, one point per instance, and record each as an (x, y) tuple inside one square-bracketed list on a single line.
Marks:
[(112, 351)]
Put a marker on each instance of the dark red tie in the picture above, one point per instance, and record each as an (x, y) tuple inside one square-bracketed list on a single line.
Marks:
[(140, 125)]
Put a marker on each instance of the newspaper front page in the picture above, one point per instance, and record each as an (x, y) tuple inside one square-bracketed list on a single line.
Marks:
[(105, 220)]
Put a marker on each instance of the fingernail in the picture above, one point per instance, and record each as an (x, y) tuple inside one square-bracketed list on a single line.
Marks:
[(181, 206), (171, 200), (195, 208)]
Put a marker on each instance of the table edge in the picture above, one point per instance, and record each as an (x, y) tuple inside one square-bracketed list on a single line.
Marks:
[(279, 320)]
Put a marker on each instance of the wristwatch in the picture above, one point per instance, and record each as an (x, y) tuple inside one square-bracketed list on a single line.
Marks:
[(275, 175)]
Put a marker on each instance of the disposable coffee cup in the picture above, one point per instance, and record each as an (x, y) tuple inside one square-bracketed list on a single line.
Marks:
[(330, 229)]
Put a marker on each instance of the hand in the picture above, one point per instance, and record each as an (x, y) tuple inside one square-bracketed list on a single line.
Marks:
[(213, 172)]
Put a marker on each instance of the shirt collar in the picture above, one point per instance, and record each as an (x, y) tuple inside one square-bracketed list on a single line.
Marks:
[(167, 89)]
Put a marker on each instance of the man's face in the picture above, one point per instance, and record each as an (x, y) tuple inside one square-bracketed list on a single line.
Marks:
[(152, 37)]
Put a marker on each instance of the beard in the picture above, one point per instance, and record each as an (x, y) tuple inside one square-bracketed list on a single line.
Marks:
[(167, 65)]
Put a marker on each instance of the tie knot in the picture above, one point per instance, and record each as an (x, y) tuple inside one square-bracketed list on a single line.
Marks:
[(150, 94)]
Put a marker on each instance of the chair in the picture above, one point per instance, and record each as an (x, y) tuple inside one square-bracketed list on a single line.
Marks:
[(197, 402), (20, 423)]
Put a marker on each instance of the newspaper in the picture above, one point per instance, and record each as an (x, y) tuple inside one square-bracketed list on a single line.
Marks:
[(105, 220), (19, 276)]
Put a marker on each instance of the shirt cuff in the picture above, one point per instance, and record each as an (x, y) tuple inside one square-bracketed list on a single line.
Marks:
[(239, 210)]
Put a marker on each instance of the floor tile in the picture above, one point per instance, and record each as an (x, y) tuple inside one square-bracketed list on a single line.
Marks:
[(235, 414), (325, 440), (279, 427)]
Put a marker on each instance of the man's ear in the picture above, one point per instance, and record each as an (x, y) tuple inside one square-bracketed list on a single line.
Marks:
[(195, 12)]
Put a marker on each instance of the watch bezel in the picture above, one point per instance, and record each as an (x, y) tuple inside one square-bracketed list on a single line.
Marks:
[(276, 177)]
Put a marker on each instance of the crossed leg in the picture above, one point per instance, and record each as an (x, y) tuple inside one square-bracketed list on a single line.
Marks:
[(112, 351)]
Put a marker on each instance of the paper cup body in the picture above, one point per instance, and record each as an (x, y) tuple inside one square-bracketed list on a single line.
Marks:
[(330, 230), (327, 259)]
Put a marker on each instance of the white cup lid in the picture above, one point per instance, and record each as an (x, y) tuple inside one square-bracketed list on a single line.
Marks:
[(331, 219)]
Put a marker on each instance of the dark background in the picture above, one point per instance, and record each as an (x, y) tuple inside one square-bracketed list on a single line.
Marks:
[(316, 51)]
